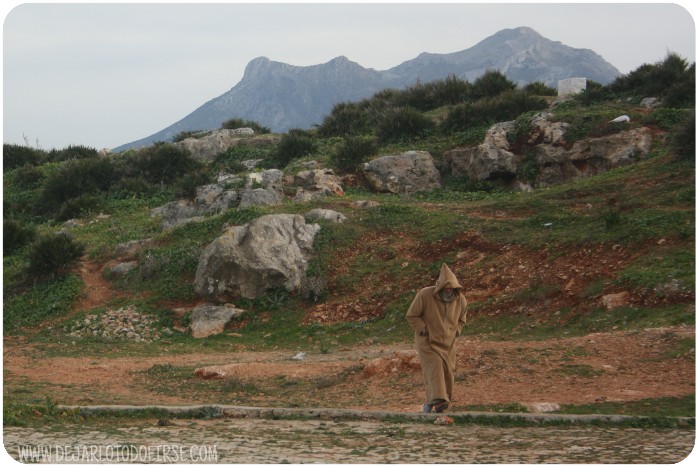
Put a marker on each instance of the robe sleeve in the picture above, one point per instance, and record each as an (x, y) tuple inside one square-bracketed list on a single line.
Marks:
[(414, 314), (463, 316)]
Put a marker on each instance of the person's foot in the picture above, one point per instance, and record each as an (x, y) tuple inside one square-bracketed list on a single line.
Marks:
[(427, 408), (440, 405)]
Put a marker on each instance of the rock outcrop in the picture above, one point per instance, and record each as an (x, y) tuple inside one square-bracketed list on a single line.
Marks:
[(207, 148), (248, 260), (405, 173), (208, 319), (549, 158)]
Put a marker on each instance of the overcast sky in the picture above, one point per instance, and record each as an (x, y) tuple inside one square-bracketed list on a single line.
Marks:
[(102, 75)]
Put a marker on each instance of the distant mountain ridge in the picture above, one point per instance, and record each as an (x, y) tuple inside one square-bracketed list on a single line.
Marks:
[(282, 96)]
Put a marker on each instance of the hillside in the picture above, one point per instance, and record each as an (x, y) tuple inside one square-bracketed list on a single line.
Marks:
[(282, 96), (581, 294)]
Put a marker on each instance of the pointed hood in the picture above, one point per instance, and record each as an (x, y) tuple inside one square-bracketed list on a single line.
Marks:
[(446, 278)]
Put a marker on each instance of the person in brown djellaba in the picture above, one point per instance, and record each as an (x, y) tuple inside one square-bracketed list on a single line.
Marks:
[(437, 315)]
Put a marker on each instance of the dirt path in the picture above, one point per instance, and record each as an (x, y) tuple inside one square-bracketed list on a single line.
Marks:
[(260, 441), (617, 366)]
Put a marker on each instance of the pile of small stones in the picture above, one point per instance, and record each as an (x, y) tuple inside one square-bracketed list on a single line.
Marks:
[(124, 323)]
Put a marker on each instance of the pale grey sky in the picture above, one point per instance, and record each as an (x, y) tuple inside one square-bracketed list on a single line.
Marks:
[(102, 75)]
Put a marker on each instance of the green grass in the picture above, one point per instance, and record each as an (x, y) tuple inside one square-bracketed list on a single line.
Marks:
[(662, 407), (567, 323), (49, 300), (664, 270)]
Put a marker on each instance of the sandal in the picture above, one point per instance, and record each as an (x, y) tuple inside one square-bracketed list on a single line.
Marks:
[(440, 406)]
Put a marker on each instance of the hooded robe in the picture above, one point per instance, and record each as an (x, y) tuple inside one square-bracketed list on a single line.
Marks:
[(436, 324)]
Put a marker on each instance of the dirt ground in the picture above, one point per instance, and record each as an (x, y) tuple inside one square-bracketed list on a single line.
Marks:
[(618, 366)]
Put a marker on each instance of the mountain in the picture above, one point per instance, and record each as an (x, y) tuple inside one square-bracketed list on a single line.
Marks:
[(282, 96)]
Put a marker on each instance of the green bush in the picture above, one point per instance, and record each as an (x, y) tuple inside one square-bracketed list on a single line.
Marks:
[(681, 94), (71, 152), (449, 91), (354, 151), (403, 123), (235, 123), (14, 155), (657, 79), (593, 93), (28, 176), (52, 256), (161, 163), (75, 178), (683, 139), (344, 120), (538, 88), (77, 207), (491, 84), (505, 106), (668, 119), (186, 186), (128, 187), (15, 235), (294, 144)]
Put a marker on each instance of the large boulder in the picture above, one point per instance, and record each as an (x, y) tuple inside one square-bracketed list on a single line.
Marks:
[(208, 319), (209, 199), (320, 181), (483, 162), (207, 148), (409, 172), (325, 214), (270, 179), (260, 197), (248, 260)]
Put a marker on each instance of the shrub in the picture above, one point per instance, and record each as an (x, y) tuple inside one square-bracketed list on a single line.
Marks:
[(344, 120), (294, 144), (28, 176), (15, 235), (71, 152), (683, 139), (671, 79), (668, 119), (186, 186), (593, 93), (128, 187), (449, 91), (161, 163), (403, 123), (235, 123), (77, 207), (460, 118), (538, 88), (52, 256), (529, 169), (314, 288), (354, 151), (505, 106), (681, 94), (491, 84), (14, 155), (75, 178)]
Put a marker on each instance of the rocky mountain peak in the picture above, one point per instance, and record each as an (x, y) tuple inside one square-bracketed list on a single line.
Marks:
[(282, 96)]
